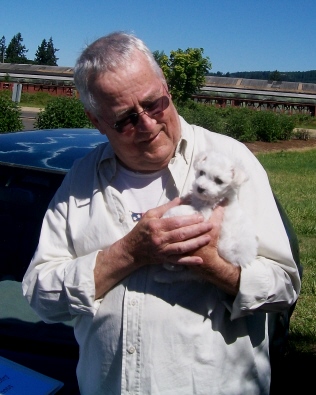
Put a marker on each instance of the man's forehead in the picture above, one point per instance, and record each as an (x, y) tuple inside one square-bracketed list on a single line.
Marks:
[(132, 91)]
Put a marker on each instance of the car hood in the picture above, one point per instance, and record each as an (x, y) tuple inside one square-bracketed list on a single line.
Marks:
[(50, 149)]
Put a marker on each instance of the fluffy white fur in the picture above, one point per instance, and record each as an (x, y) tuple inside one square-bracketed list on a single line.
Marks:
[(218, 178)]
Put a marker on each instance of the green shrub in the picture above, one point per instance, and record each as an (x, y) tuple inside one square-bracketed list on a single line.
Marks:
[(6, 94), (270, 126), (305, 121), (287, 124), (207, 117), (243, 124), (266, 126), (63, 112), (239, 124), (10, 116)]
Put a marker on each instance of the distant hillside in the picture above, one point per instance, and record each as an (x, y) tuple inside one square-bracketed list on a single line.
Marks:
[(291, 76)]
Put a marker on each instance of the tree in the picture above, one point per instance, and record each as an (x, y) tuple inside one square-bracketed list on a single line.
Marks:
[(2, 49), (41, 55), (52, 60), (275, 76), (184, 71), (45, 53), (15, 52), (158, 55)]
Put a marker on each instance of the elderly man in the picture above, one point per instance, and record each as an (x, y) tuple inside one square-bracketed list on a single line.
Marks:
[(104, 240)]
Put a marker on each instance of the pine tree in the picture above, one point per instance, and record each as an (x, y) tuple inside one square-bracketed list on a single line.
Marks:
[(52, 59), (2, 49), (45, 54), (41, 53), (15, 52)]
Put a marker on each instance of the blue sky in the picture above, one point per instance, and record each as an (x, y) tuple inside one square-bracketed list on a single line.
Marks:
[(237, 35)]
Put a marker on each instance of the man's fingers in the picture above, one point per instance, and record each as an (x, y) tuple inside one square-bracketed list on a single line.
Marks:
[(159, 211), (186, 246)]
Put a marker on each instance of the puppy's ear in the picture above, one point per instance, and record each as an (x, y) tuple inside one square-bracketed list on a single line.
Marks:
[(200, 158), (239, 176)]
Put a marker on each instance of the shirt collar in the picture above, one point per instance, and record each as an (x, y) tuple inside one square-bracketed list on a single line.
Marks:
[(184, 151)]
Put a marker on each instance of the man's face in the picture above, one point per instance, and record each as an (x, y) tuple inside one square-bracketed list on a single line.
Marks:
[(148, 145)]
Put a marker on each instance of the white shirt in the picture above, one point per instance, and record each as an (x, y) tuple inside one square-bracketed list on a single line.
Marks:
[(142, 191), (145, 337)]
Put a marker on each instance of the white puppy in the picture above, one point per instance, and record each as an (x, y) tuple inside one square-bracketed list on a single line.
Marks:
[(217, 179)]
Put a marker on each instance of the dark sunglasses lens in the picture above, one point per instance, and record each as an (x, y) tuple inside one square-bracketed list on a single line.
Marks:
[(164, 103), (131, 119), (118, 127), (160, 105)]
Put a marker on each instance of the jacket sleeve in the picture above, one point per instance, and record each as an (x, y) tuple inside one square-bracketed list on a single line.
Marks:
[(59, 284), (271, 282)]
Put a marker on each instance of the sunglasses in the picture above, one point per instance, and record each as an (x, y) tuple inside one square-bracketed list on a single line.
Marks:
[(152, 110)]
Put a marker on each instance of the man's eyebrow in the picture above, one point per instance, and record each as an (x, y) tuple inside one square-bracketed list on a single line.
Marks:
[(151, 97)]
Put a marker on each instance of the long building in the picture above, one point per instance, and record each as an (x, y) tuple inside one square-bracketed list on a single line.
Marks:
[(279, 96), (25, 73)]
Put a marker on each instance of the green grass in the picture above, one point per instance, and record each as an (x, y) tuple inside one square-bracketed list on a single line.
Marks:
[(36, 100), (293, 179), (39, 99)]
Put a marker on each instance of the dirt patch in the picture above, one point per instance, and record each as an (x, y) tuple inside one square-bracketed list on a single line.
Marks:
[(288, 145)]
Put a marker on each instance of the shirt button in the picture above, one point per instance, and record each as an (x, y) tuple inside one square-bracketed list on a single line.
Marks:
[(131, 349), (133, 302), (122, 218)]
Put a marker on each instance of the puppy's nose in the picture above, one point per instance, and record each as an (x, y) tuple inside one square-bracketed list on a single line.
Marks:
[(200, 190)]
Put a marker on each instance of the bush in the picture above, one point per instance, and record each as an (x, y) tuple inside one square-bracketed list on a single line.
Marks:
[(265, 126), (238, 124), (209, 118), (272, 127), (63, 112), (242, 124), (6, 94), (10, 116), (287, 124)]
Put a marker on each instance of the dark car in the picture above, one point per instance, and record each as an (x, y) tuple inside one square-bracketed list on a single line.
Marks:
[(32, 166)]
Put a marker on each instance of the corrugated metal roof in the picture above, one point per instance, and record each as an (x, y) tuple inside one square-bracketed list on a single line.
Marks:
[(264, 85)]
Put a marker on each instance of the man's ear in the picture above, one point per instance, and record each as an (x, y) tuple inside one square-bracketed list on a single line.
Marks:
[(94, 120)]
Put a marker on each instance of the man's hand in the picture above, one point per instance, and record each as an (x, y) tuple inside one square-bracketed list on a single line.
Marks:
[(154, 240), (214, 268)]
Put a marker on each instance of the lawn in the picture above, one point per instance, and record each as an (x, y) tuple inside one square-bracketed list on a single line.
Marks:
[(293, 179)]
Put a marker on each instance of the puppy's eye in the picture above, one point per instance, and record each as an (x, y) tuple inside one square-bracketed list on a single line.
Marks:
[(202, 173), (218, 181)]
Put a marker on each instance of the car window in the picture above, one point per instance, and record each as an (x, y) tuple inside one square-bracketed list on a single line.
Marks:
[(24, 197)]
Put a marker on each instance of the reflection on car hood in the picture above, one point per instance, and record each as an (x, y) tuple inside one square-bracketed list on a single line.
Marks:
[(52, 149)]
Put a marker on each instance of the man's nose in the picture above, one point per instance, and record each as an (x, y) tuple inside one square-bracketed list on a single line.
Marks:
[(145, 122)]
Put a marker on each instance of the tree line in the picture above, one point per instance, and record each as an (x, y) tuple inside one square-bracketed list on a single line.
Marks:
[(15, 52), (290, 76), (185, 70)]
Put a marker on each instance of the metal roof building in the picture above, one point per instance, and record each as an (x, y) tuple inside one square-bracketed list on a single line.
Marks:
[(283, 96)]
